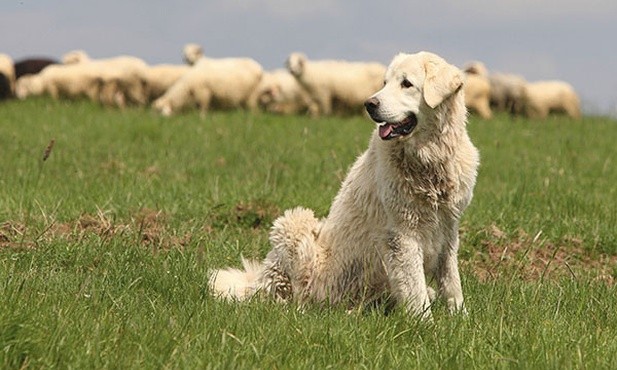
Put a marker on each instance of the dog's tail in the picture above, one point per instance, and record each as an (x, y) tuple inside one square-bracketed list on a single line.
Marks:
[(237, 284)]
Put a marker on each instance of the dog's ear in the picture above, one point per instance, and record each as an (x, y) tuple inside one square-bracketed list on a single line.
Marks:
[(442, 80)]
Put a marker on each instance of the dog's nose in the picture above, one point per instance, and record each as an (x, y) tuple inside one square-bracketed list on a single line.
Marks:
[(371, 104)]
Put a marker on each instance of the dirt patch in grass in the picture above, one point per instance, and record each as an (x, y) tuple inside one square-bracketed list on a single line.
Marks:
[(256, 215), (524, 256), (534, 258), (153, 229), (12, 236), (99, 223), (145, 227)]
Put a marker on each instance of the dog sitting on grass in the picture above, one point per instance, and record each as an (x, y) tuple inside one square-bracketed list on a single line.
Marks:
[(393, 226)]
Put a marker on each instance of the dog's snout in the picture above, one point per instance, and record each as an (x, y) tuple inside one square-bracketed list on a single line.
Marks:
[(371, 104)]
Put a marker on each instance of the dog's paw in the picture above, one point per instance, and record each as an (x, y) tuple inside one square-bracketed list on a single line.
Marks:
[(456, 307), (432, 295)]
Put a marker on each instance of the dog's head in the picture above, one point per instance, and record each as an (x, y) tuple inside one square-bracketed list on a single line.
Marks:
[(415, 85)]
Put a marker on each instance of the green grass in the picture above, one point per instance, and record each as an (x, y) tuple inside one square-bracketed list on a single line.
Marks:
[(556, 176), (105, 246)]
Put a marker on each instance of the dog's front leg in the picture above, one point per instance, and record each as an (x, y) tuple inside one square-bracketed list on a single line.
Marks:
[(448, 277), (406, 274)]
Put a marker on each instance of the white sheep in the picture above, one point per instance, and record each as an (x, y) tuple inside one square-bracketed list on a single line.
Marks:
[(336, 85), (279, 92), (476, 68), (477, 95), (123, 77), (7, 72), (29, 85), (75, 56), (61, 81), (544, 97), (507, 92), (159, 78), (192, 53), (218, 83), (477, 89)]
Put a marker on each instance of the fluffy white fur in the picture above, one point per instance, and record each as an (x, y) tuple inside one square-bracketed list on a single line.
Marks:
[(508, 92), (75, 56), (191, 53), (393, 226), (223, 83), (122, 77), (159, 78), (279, 92), (236, 283), (478, 95), (476, 68), (62, 81), (544, 97), (8, 70), (336, 85)]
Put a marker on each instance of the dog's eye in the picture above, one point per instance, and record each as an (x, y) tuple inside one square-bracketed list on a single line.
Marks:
[(384, 82), (406, 84)]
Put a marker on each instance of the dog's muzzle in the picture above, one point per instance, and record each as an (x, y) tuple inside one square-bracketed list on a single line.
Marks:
[(390, 130)]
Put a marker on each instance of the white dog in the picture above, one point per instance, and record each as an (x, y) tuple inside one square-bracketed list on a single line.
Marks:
[(394, 223)]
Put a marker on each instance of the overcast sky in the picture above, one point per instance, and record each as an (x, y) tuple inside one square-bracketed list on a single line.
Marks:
[(540, 39)]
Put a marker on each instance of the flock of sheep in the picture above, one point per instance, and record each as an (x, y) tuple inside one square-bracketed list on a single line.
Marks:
[(485, 92), (315, 87)]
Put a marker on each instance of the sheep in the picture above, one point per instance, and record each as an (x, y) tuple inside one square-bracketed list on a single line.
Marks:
[(477, 91), (544, 97), (75, 56), (336, 85), (218, 83), (160, 78), (32, 66), (61, 81), (476, 68), (507, 92), (477, 95), (5, 87), (7, 77), (279, 92), (123, 77), (192, 53), (29, 85)]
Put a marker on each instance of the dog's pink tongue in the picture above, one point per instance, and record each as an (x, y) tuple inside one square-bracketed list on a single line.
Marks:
[(385, 130)]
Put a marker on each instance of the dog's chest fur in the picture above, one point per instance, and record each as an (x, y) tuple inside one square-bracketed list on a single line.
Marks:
[(416, 183), (421, 191)]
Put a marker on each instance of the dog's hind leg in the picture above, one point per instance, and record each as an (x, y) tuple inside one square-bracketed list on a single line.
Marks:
[(294, 248)]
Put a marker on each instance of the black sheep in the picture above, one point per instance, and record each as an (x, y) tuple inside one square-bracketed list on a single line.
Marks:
[(31, 66)]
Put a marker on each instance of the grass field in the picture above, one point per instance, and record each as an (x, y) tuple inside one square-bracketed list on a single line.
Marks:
[(105, 246)]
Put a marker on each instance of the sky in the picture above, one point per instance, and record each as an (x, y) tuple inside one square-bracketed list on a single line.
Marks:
[(569, 40)]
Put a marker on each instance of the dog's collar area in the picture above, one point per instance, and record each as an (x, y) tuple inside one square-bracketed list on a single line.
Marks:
[(389, 130)]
